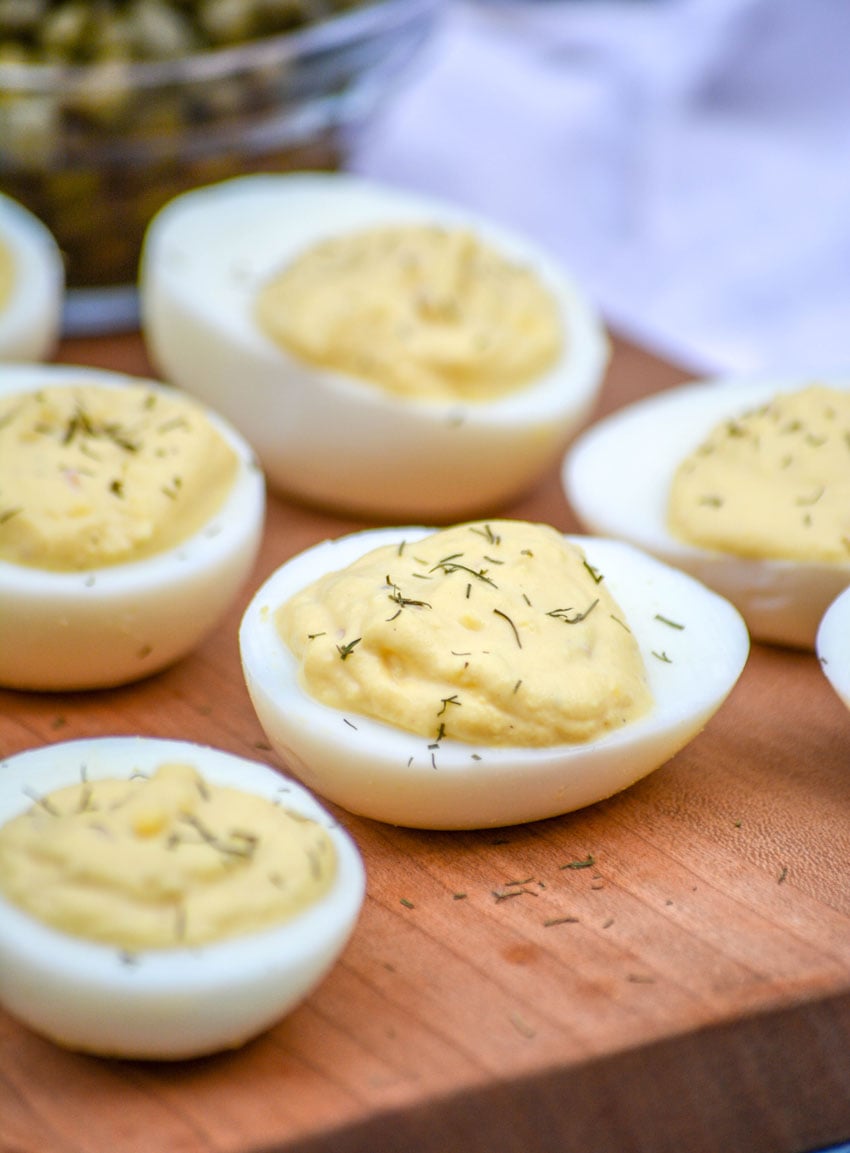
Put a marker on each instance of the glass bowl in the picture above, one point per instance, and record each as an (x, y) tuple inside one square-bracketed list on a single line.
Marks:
[(95, 150)]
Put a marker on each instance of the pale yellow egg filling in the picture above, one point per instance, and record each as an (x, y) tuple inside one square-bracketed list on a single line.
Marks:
[(495, 633), (162, 861), (421, 311), (7, 274), (93, 476), (773, 482)]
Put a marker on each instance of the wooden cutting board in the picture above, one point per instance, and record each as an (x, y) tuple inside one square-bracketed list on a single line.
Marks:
[(687, 990)]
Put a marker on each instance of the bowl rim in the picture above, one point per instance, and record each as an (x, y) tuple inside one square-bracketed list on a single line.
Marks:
[(374, 19)]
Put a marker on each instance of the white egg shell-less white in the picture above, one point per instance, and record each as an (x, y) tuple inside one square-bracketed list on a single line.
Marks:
[(832, 645), (324, 436), (391, 775), (169, 1003), (115, 624), (31, 318), (617, 477)]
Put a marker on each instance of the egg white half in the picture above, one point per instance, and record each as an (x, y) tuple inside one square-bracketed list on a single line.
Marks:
[(324, 436), (32, 317), (391, 775), (111, 625), (617, 478), (832, 645), (169, 1003)]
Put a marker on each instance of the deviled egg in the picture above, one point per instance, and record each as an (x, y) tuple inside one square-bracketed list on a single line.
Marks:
[(489, 674), (160, 899), (832, 645), (32, 285), (742, 483), (130, 516), (384, 353)]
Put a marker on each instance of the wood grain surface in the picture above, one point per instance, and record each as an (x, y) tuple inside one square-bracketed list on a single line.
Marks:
[(693, 994)]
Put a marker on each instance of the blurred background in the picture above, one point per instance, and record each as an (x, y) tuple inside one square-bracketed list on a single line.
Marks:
[(688, 160)]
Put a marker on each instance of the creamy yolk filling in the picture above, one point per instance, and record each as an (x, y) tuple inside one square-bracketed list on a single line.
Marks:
[(7, 274), (774, 482), (93, 476), (419, 311), (493, 633), (162, 861)]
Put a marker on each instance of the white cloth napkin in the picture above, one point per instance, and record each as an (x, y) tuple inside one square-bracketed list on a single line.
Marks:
[(688, 160)]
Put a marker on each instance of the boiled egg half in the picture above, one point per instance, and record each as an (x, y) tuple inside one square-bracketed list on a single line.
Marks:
[(618, 476), (693, 644), (32, 285), (102, 580), (833, 645), (177, 1000), (392, 295)]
